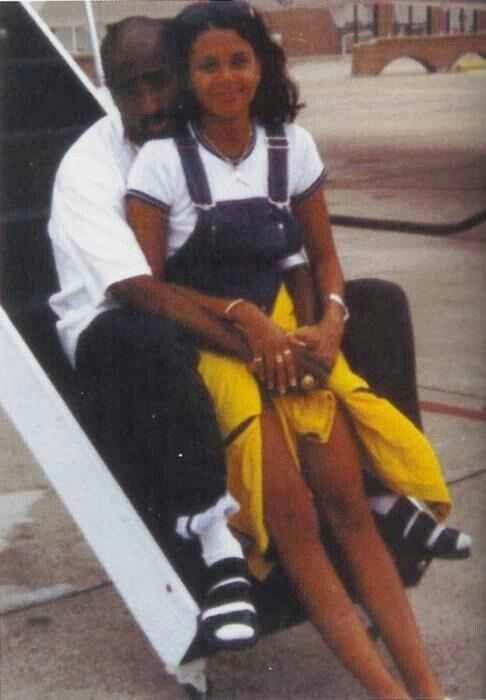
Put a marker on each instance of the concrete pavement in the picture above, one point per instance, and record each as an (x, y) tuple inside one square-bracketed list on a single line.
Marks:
[(403, 147)]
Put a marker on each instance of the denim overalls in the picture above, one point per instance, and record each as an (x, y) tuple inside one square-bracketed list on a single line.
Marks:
[(236, 245)]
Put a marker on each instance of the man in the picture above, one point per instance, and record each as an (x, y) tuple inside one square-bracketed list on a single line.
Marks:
[(149, 411), (148, 408)]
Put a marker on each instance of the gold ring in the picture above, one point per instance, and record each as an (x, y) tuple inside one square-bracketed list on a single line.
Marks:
[(308, 382), (279, 359)]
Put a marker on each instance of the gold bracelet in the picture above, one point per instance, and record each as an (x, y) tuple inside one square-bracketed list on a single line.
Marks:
[(232, 305)]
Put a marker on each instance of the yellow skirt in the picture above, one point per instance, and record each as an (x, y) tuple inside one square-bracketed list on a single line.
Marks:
[(400, 455)]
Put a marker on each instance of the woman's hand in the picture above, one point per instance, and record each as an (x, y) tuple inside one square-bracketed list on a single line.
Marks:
[(308, 369), (273, 360), (322, 340)]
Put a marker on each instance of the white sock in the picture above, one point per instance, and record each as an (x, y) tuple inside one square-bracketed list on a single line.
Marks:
[(211, 528), (218, 542), (383, 504)]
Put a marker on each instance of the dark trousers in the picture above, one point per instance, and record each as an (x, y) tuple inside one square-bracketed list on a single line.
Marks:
[(149, 414), (379, 342), (151, 418)]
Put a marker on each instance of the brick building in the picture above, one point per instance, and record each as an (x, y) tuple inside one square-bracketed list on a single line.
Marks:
[(304, 27)]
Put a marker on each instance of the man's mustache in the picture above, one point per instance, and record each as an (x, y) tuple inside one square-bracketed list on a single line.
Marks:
[(148, 120)]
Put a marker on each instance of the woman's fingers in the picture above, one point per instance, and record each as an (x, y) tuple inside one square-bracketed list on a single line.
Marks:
[(273, 361), (297, 342), (277, 370), (308, 335), (283, 370), (263, 366), (322, 347), (270, 369), (280, 373), (257, 367), (305, 364), (290, 367)]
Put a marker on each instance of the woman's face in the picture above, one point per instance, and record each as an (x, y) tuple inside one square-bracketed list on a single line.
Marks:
[(224, 73)]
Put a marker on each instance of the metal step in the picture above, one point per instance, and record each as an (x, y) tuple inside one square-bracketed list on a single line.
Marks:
[(33, 157), (27, 269), (43, 95)]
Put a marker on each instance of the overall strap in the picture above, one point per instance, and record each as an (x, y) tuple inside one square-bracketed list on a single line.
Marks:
[(278, 149), (196, 179)]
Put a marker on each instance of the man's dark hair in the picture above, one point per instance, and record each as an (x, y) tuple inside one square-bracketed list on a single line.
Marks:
[(276, 100), (125, 38)]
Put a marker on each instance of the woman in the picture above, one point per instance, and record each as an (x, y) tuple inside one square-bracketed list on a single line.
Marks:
[(239, 143)]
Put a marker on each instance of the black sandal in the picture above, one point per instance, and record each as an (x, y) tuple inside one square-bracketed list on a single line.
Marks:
[(407, 526), (228, 618)]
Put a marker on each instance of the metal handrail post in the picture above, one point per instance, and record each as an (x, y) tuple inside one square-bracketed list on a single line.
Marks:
[(94, 43)]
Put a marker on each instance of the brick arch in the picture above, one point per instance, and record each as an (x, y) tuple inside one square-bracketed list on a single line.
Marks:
[(428, 65), (473, 54), (436, 52)]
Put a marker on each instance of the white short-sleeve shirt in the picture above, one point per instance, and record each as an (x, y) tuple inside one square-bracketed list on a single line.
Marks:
[(157, 176), (92, 243)]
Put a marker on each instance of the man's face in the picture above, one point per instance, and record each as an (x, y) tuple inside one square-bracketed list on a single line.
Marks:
[(141, 81), (144, 102)]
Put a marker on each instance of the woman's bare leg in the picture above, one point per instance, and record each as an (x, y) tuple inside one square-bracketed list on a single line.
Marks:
[(335, 477), (292, 522)]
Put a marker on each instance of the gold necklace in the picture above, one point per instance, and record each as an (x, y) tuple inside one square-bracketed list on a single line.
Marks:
[(234, 161)]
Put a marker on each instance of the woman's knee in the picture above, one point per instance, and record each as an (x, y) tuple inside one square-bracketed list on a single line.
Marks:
[(335, 476), (347, 513), (290, 513), (343, 502)]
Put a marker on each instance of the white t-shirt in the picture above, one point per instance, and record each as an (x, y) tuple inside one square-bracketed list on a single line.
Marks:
[(92, 243), (157, 176)]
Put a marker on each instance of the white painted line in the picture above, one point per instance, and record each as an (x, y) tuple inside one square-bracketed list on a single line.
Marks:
[(138, 568)]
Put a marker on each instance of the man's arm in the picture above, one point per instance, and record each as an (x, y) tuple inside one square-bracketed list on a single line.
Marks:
[(148, 294), (89, 226)]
